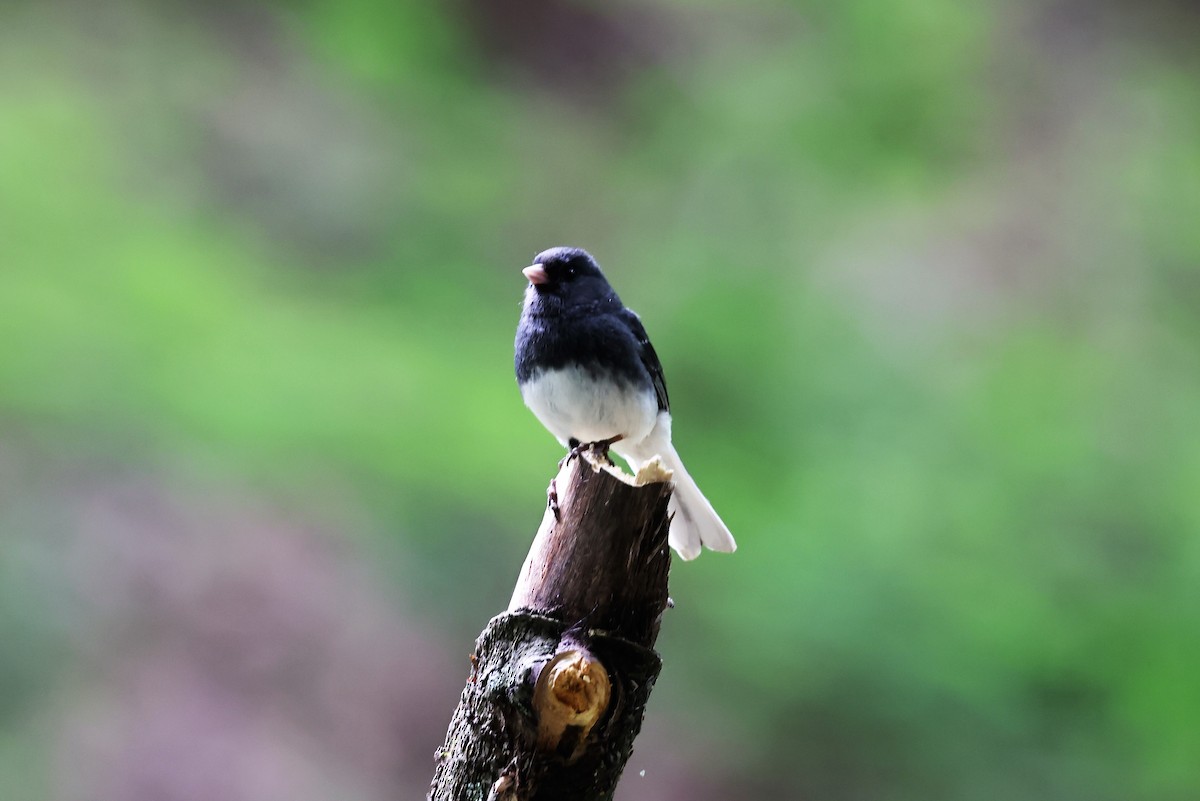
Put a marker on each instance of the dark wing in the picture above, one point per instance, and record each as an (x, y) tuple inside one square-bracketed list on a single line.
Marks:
[(649, 357)]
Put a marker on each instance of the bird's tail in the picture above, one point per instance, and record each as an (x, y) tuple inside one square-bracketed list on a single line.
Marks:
[(696, 523)]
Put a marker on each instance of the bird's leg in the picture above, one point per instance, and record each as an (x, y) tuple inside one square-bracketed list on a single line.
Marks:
[(601, 447), (575, 451), (598, 448)]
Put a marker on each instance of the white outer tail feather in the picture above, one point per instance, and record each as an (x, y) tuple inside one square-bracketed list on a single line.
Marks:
[(695, 524)]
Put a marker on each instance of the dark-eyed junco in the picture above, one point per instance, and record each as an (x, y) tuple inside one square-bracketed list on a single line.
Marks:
[(588, 371)]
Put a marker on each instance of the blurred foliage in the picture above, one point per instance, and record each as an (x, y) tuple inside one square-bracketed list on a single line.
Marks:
[(923, 276)]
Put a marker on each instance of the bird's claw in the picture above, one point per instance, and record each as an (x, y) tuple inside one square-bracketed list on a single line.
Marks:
[(597, 448), (576, 450), (601, 448)]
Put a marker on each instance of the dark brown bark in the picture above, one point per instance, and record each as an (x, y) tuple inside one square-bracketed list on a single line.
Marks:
[(560, 681)]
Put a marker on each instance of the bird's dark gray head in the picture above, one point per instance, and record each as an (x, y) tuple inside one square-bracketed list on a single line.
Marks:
[(568, 274)]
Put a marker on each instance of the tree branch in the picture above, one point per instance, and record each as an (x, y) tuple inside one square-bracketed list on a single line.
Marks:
[(560, 681)]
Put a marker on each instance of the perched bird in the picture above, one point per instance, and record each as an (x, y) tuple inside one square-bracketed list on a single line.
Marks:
[(588, 372)]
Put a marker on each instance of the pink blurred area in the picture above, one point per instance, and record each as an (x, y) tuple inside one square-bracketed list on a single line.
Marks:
[(228, 651)]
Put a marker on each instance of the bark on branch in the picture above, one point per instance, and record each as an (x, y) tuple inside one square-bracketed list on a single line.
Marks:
[(560, 681)]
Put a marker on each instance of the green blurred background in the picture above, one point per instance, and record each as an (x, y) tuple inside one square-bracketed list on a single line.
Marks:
[(924, 275)]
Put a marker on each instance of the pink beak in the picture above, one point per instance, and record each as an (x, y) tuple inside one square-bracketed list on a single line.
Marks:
[(536, 274)]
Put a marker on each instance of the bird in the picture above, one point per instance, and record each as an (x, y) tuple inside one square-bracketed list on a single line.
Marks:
[(587, 371)]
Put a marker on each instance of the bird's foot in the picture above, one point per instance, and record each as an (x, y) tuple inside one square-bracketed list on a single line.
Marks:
[(575, 451), (601, 447), (597, 448)]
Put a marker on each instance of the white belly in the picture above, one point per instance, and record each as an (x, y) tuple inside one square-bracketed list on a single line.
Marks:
[(572, 403)]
